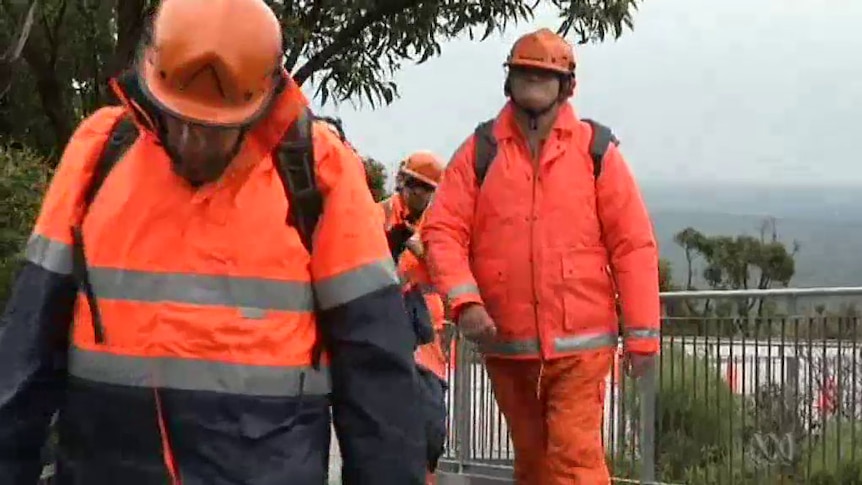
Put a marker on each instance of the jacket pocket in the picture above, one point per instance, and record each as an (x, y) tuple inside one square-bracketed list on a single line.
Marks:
[(492, 278), (587, 289)]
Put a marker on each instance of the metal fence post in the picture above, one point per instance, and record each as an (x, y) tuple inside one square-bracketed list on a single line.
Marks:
[(463, 387), (647, 391)]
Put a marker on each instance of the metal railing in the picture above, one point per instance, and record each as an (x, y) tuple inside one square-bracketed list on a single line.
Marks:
[(758, 386)]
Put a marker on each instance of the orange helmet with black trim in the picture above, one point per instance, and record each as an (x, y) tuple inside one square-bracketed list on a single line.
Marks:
[(423, 166), (214, 62), (543, 49)]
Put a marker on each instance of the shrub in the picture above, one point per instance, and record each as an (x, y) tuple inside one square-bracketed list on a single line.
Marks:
[(23, 179), (698, 417), (699, 421), (836, 458), (375, 176)]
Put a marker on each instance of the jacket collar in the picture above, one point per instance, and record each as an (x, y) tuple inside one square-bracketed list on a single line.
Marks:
[(507, 126)]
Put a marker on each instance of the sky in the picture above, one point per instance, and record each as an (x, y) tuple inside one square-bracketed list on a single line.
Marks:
[(709, 91)]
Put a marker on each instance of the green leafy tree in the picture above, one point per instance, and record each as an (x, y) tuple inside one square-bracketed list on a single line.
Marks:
[(738, 263), (665, 275), (349, 49), (375, 175), (693, 243)]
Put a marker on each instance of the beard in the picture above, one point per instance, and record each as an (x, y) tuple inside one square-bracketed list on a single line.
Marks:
[(199, 168)]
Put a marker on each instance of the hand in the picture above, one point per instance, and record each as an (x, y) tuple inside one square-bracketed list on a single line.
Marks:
[(476, 325), (414, 245), (397, 237), (637, 365)]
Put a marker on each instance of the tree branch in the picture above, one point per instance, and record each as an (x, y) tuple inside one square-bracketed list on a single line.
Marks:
[(41, 54), (348, 35), (14, 52), (52, 31), (130, 17), (11, 56), (309, 25)]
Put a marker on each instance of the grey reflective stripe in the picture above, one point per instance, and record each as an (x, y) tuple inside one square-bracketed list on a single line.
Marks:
[(52, 255), (517, 347), (423, 288), (244, 293), (585, 342), (465, 289), (561, 344), (350, 285), (197, 375), (642, 333)]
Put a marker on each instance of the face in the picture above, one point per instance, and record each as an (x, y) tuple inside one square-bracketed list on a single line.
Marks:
[(202, 152), (416, 194), (534, 88)]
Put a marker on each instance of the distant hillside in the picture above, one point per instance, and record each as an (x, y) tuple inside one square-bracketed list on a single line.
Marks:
[(829, 253), (835, 203), (827, 223)]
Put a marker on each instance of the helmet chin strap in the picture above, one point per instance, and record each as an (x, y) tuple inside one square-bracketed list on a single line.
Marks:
[(533, 114)]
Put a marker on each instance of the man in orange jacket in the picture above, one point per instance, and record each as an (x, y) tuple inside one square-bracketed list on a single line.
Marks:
[(538, 221), (419, 174), (174, 302)]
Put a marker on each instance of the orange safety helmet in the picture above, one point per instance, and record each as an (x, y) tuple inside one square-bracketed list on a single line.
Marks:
[(543, 49), (214, 62), (423, 166)]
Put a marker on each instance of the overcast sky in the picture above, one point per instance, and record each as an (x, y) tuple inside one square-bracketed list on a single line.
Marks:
[(705, 90)]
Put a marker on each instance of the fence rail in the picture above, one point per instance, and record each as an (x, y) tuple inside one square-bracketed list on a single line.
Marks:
[(750, 388)]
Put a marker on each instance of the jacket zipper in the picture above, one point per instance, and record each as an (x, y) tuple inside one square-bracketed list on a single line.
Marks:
[(536, 171)]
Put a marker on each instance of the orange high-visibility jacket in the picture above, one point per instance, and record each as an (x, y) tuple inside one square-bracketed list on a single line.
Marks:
[(534, 246), (206, 300), (414, 274), (394, 210)]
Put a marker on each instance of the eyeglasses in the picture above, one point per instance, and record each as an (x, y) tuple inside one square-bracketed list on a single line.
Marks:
[(415, 184)]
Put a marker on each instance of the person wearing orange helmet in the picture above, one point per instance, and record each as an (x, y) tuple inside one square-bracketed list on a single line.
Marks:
[(393, 206), (417, 179), (206, 286), (537, 225), (420, 173)]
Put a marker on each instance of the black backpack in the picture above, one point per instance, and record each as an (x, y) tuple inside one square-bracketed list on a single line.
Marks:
[(294, 163), (485, 147)]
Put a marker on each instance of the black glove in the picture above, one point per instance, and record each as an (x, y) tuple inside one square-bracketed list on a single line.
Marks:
[(420, 316), (397, 237), (433, 393)]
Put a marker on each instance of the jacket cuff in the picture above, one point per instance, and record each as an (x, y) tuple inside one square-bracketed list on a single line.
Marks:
[(458, 304), (642, 340)]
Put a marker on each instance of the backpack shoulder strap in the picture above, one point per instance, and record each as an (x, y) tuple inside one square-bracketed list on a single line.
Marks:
[(484, 149), (600, 140), (294, 162), (123, 134)]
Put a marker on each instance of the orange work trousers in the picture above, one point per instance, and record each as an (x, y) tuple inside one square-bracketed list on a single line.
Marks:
[(554, 413)]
